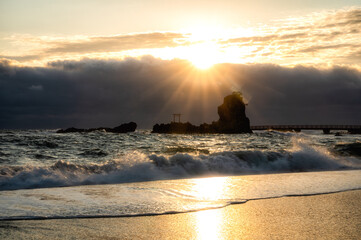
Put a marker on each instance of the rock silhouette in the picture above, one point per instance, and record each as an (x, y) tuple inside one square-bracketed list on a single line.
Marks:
[(232, 119), (232, 115), (124, 128)]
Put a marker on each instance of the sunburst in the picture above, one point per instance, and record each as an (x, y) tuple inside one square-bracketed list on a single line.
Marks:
[(203, 55)]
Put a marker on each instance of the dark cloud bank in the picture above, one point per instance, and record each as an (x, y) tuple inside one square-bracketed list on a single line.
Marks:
[(94, 93)]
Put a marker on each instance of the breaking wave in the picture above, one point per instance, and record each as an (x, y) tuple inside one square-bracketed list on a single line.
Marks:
[(136, 167), (349, 149)]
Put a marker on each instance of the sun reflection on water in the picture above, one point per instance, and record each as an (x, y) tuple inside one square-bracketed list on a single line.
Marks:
[(209, 223), (209, 188)]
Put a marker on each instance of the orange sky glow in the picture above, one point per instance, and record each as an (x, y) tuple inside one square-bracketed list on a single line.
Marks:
[(320, 38)]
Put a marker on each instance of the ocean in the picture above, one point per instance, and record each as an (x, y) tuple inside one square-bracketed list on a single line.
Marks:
[(48, 175)]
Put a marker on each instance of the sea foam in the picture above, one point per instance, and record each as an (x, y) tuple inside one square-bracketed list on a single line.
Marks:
[(138, 167)]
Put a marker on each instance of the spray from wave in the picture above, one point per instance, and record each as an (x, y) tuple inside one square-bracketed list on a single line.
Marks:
[(136, 167)]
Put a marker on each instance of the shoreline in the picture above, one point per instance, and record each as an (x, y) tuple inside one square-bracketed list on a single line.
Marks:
[(171, 213), (328, 216)]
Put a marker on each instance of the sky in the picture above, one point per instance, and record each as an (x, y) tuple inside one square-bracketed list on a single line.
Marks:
[(101, 63)]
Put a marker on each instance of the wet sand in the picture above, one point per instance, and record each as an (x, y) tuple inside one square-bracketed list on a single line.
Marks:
[(329, 216)]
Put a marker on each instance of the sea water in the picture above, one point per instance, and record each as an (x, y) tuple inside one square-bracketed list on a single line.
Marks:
[(44, 174)]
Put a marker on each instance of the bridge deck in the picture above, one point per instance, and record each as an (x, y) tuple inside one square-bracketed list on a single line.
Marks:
[(307, 127)]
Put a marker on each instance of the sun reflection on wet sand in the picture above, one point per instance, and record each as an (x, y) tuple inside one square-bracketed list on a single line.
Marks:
[(209, 223)]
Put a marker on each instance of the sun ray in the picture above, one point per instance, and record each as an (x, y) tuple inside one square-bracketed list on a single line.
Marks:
[(182, 85)]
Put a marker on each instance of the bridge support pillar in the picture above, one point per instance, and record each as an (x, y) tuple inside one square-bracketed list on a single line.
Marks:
[(326, 130)]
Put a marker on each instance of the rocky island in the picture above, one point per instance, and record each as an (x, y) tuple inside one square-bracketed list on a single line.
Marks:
[(123, 128), (232, 119)]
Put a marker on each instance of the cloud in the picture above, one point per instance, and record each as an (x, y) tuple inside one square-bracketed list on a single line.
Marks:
[(36, 87), (47, 47), (303, 95), (344, 18), (118, 43), (322, 38), (93, 93), (316, 48)]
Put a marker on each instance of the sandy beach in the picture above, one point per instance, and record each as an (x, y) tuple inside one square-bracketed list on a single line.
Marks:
[(327, 216)]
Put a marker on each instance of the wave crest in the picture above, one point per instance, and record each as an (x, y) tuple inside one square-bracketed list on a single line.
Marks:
[(135, 167)]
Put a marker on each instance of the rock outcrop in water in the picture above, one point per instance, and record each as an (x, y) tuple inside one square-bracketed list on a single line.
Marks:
[(232, 115), (124, 128), (232, 119)]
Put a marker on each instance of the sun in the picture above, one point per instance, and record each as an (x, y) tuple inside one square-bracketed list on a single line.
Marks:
[(203, 55), (205, 47), (202, 63)]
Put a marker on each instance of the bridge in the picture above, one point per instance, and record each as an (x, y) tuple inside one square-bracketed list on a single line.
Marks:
[(355, 129)]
